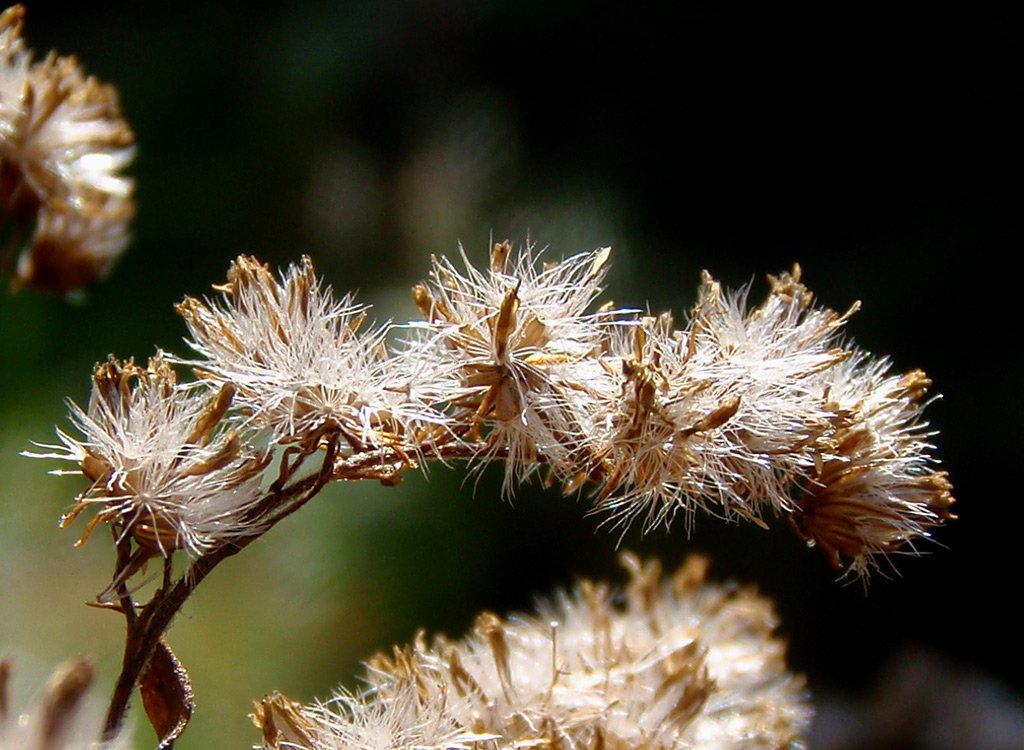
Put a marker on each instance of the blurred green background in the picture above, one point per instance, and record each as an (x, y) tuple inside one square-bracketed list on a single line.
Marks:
[(869, 144)]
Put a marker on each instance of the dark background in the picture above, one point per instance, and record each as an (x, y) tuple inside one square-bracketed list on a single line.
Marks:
[(875, 146)]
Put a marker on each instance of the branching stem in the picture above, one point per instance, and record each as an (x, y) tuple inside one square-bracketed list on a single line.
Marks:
[(146, 627)]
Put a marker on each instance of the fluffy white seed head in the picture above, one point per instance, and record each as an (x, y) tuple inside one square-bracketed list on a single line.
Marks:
[(717, 415), (678, 664), (764, 410), (874, 490), (519, 339), (164, 465), (300, 363)]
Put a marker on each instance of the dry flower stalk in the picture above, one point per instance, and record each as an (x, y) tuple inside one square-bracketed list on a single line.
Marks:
[(744, 412), (681, 663), (63, 146)]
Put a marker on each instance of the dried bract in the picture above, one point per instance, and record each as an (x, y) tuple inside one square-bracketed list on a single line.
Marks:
[(679, 664), (165, 466), (63, 146)]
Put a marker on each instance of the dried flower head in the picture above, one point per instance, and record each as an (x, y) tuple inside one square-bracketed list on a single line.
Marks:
[(718, 414), (748, 412), (678, 664), (299, 362), (58, 721), (518, 340), (165, 467), (874, 488), (63, 146)]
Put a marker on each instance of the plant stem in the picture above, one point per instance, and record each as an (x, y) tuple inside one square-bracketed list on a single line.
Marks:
[(145, 628)]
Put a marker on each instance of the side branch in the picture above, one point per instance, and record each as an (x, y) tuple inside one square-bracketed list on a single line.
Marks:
[(145, 629)]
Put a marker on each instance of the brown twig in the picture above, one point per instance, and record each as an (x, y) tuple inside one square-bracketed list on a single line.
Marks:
[(145, 628)]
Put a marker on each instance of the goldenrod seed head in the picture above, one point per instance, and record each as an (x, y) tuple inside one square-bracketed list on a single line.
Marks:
[(300, 363), (517, 344)]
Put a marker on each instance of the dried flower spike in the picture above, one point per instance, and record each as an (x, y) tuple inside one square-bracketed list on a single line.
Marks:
[(165, 467), (680, 664), (63, 146)]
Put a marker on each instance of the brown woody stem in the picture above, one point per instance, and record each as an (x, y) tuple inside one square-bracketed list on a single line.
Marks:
[(146, 627)]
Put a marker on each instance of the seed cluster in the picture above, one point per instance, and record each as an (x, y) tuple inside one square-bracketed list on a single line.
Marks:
[(680, 663)]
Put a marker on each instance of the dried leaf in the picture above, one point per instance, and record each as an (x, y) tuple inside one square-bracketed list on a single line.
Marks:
[(5, 674), (166, 695)]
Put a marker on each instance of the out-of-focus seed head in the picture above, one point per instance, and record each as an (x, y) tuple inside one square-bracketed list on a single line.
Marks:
[(63, 148), (678, 664), (60, 719)]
